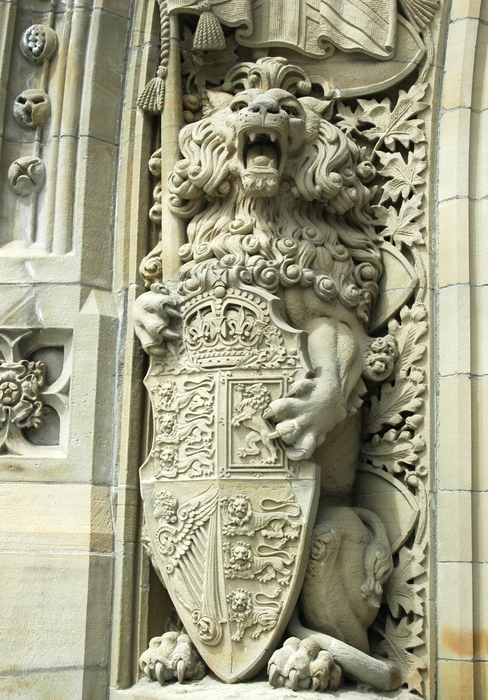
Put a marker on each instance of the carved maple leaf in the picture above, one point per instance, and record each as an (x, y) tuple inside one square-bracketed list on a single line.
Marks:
[(397, 640), (348, 120), (395, 400), (396, 450), (401, 226), (398, 590), (397, 125), (407, 333), (403, 177)]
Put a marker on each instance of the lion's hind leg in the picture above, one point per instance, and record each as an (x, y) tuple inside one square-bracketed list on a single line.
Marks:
[(251, 440)]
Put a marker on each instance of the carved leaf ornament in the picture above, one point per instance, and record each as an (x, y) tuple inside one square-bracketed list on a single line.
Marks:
[(393, 416)]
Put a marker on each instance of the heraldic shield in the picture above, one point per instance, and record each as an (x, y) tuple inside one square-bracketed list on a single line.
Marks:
[(229, 514)]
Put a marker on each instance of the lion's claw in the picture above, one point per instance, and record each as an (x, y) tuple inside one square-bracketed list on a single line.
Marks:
[(303, 664), (171, 656)]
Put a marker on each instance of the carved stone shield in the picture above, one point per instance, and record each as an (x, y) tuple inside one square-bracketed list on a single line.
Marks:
[(229, 514)]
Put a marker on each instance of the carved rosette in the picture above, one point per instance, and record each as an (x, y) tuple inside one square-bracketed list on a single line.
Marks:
[(228, 513), (19, 394)]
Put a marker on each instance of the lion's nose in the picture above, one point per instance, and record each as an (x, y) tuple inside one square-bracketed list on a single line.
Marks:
[(264, 104)]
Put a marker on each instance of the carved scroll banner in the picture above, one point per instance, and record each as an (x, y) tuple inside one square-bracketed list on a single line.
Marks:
[(229, 515), (312, 27)]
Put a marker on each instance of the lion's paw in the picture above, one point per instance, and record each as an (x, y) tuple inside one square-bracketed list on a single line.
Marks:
[(303, 664), (303, 418), (187, 664), (171, 656), (154, 314)]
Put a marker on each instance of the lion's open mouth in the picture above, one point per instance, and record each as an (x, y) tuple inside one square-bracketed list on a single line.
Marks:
[(261, 150)]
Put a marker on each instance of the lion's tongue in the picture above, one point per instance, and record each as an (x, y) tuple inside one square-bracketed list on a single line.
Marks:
[(262, 155)]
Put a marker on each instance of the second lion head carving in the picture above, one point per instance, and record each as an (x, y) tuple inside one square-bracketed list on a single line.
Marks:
[(270, 186)]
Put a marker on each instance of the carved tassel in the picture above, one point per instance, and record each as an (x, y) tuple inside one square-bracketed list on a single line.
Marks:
[(209, 35), (151, 99)]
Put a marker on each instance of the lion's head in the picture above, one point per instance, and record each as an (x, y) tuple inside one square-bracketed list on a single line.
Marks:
[(272, 187), (240, 604), (256, 395), (241, 557), (239, 510)]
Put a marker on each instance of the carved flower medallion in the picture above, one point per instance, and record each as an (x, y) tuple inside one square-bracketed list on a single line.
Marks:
[(19, 393)]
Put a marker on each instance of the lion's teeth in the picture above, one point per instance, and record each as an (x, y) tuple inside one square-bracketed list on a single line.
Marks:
[(252, 135), (272, 137)]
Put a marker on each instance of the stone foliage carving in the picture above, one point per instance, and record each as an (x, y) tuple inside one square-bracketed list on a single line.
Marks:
[(289, 342), (33, 393)]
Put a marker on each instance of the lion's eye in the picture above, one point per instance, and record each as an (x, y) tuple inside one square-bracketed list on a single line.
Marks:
[(291, 111), (237, 106)]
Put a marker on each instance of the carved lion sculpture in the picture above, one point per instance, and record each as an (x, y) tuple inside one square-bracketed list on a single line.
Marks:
[(275, 194)]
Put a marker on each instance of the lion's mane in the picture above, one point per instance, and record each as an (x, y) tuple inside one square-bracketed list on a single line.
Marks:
[(316, 231)]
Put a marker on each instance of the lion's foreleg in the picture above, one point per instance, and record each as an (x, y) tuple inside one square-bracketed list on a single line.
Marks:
[(315, 406)]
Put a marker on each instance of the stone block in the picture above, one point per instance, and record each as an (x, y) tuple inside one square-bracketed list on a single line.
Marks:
[(479, 330), (480, 74), (454, 526), (454, 330), (480, 531), (458, 65), (453, 242), (455, 680), (478, 169), (478, 242), (55, 518), (455, 612), (455, 433), (49, 602), (454, 154), (480, 432), (460, 9)]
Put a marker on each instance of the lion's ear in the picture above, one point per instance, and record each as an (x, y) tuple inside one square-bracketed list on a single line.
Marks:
[(215, 101), (321, 107)]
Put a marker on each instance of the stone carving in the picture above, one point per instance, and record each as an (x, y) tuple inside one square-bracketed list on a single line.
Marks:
[(295, 207), (266, 563), (273, 520), (26, 175), (32, 108), (254, 399), (20, 383), (186, 447), (303, 664), (252, 611), (39, 43), (329, 23), (171, 656), (33, 394), (352, 588)]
